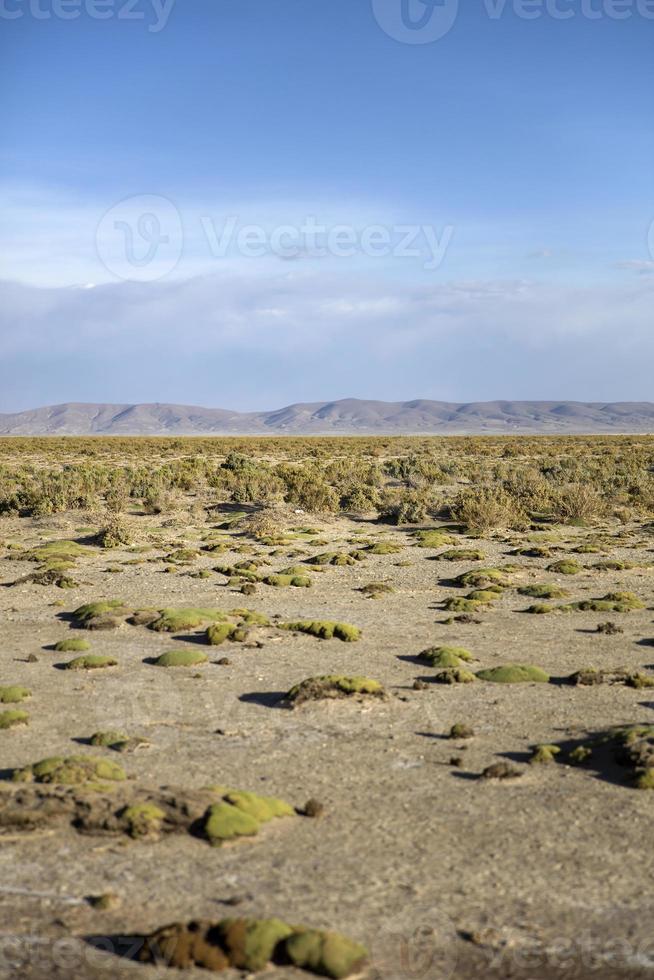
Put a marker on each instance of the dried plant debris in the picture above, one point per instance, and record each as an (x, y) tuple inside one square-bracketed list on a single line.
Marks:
[(631, 747), (77, 795), (252, 945), (514, 674), (332, 686), (592, 676), (91, 661)]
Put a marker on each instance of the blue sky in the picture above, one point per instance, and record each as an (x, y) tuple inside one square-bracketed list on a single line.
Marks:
[(515, 156)]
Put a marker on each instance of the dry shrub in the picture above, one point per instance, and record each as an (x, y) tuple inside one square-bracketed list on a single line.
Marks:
[(577, 502), (116, 533), (486, 508)]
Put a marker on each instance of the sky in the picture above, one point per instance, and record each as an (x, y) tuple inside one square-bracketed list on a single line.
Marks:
[(250, 203)]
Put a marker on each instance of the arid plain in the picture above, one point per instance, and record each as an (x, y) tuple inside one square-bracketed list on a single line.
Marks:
[(397, 692)]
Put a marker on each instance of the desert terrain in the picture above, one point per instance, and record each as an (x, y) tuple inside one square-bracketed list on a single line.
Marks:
[(432, 660)]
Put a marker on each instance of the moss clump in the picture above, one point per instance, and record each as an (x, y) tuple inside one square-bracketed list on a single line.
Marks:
[(384, 548), (70, 770), (286, 581), (331, 686), (540, 609), (110, 740), (484, 596), (91, 661), (445, 656), (455, 675), (219, 632), (181, 658), (621, 602), (66, 551), (10, 719), (462, 554), (324, 629), (375, 590), (545, 753), (544, 590), (514, 674), (432, 539), (143, 819), (567, 566), (250, 945), (612, 565), (333, 558), (72, 646), (100, 615), (241, 814), (14, 694), (457, 604), (174, 620), (249, 617), (483, 578), (325, 953), (262, 808), (461, 730)]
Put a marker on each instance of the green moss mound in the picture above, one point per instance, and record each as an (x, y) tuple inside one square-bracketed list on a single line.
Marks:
[(66, 551), (445, 656), (462, 554), (109, 740), (219, 632), (566, 566), (514, 674), (72, 646), (543, 590), (330, 686), (241, 814), (70, 770), (10, 719), (621, 602), (384, 548), (91, 661), (286, 581), (457, 604), (251, 945), (455, 675), (14, 694), (325, 953), (544, 754), (482, 578), (143, 819), (540, 609), (432, 539), (175, 620), (249, 617), (181, 658), (333, 558), (325, 629)]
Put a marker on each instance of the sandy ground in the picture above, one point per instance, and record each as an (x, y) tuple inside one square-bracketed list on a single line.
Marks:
[(441, 874)]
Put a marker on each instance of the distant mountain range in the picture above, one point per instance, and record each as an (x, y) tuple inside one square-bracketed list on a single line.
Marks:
[(347, 416)]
